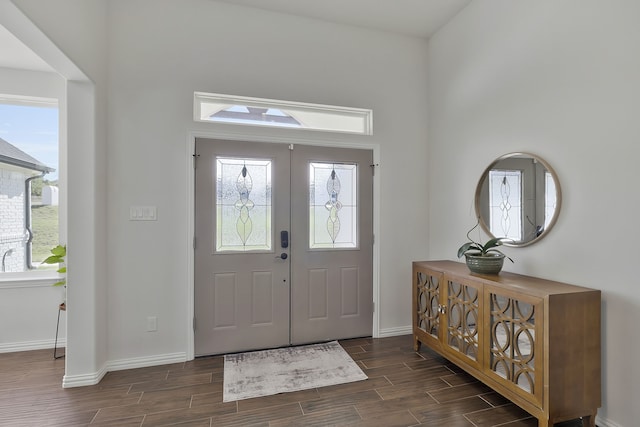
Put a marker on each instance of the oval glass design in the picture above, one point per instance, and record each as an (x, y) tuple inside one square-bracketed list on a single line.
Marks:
[(518, 197)]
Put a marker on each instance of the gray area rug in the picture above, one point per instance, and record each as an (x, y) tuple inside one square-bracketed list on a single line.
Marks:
[(263, 373)]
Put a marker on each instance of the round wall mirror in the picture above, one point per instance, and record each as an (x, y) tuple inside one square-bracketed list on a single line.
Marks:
[(518, 197)]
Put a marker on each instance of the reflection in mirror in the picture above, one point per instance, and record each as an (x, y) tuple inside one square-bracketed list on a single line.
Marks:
[(518, 197)]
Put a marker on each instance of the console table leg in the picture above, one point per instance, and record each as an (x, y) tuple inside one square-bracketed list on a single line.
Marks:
[(416, 343), (589, 421)]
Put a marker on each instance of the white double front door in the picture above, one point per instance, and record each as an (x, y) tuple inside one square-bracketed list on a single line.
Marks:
[(284, 245)]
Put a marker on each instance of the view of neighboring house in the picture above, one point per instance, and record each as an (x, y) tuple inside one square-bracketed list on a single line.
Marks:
[(17, 169)]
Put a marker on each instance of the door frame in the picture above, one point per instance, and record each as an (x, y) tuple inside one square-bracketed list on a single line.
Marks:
[(266, 135)]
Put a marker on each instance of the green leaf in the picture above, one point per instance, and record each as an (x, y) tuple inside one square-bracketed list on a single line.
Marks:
[(62, 269), (468, 246), (53, 259), (497, 241), (60, 283), (59, 250)]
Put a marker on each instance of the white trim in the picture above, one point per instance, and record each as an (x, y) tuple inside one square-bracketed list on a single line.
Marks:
[(603, 422), (243, 135), (33, 101), (28, 280), (69, 381), (13, 347), (146, 361), (394, 332), (120, 365), (298, 110)]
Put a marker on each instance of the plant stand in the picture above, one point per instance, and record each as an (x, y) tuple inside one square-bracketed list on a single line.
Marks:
[(61, 307)]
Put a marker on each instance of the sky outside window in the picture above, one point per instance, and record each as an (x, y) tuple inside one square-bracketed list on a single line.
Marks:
[(34, 130)]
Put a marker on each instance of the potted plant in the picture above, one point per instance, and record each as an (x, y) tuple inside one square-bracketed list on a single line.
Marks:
[(57, 256), (483, 258)]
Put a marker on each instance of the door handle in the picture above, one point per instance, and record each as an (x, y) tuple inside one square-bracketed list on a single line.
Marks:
[(284, 239), (283, 255)]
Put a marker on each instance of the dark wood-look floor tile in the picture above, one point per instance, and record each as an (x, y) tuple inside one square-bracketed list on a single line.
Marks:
[(441, 414), (412, 389), (277, 400), (188, 414), (408, 376), (379, 409), (336, 401), (495, 399), (459, 392), (497, 415), (459, 379), (342, 389), (258, 417), (390, 419), (183, 392), (120, 422), (388, 358), (166, 384), (205, 422), (405, 388), (330, 417)]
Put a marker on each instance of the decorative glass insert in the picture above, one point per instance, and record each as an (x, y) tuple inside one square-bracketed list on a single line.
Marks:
[(428, 297), (505, 199), (513, 340), (462, 328), (333, 210), (243, 205)]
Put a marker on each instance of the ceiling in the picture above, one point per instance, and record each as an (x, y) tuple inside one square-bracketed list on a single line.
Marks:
[(416, 18), (419, 18), (14, 54)]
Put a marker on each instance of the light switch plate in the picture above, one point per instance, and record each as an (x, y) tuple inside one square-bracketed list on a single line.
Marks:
[(143, 213)]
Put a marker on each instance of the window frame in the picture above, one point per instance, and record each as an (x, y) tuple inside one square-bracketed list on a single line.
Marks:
[(295, 109), (34, 277)]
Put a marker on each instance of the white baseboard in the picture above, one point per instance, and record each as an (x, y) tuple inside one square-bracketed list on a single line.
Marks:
[(122, 364), (603, 422), (143, 362), (69, 381), (393, 332), (31, 345)]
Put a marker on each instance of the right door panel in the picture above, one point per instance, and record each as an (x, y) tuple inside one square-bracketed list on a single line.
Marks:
[(332, 238)]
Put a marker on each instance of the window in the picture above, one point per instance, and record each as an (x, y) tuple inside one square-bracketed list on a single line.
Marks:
[(550, 200), (211, 107), (28, 182), (243, 205), (333, 209), (505, 203)]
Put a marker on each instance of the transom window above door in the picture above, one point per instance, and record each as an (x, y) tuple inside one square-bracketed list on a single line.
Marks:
[(248, 111)]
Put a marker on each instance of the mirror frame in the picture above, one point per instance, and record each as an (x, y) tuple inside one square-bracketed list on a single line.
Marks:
[(485, 175)]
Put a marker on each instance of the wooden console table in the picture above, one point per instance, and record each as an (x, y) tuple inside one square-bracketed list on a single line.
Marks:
[(534, 341)]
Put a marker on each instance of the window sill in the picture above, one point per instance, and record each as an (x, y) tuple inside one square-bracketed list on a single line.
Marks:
[(34, 279)]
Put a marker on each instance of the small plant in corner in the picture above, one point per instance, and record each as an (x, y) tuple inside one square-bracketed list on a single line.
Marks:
[(488, 249), (57, 256)]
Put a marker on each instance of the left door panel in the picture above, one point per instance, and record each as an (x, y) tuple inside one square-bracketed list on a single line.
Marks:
[(242, 196)]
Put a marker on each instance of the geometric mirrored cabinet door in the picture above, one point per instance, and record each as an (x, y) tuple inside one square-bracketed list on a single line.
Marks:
[(462, 323), (428, 296), (513, 341)]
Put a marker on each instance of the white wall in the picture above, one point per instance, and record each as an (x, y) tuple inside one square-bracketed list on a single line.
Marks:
[(161, 51), (70, 35), (560, 79)]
